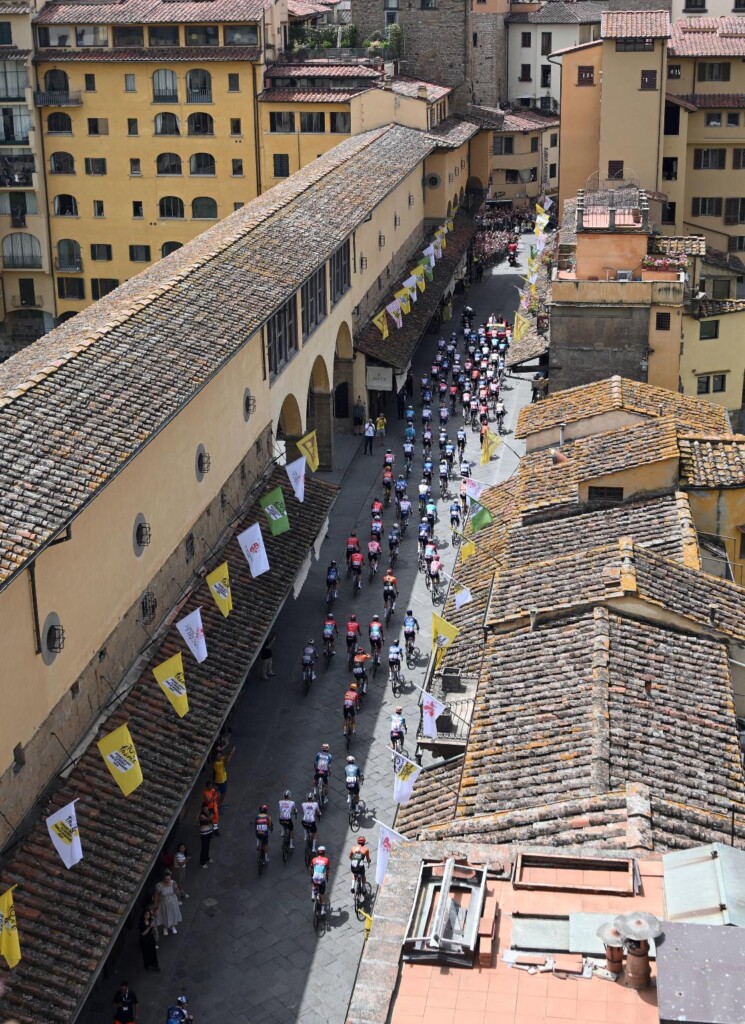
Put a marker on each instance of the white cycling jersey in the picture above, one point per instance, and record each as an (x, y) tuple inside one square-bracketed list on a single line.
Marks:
[(310, 812), (286, 809)]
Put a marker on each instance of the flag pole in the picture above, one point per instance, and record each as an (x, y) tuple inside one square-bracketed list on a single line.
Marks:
[(408, 760)]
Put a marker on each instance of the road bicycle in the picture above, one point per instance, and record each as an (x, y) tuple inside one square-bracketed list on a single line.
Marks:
[(444, 488), (261, 856), (349, 730), (375, 660), (322, 791), (398, 746), (373, 569), (330, 598), (362, 893), (393, 555), (434, 591), (286, 840), (308, 847), (308, 674), (357, 582), (412, 654), (397, 680), (351, 648), (319, 909), (353, 802), (328, 650), (388, 611)]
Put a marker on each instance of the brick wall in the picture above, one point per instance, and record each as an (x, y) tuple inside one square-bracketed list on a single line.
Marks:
[(488, 59), (592, 343)]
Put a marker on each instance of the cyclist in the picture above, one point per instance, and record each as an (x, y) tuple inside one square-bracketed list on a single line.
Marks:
[(387, 483), (424, 493), (351, 706), (444, 415), (310, 657), (330, 631), (453, 393), (353, 545), (427, 440), (426, 416), (263, 825), (465, 468), (427, 469), (376, 507), (358, 564), (323, 767), (394, 540), (398, 727), (444, 474), (434, 570), (359, 671), (463, 497), (390, 589), (287, 811), (408, 454), (359, 856), (376, 634), (454, 515), (499, 410), (311, 813), (449, 453), (442, 439), (430, 552), (319, 874), (404, 509), (431, 513), (353, 779), (400, 487), (425, 531), (332, 578), (410, 414), (394, 657), (461, 440), (353, 633), (374, 552), (410, 432), (411, 628), (389, 459)]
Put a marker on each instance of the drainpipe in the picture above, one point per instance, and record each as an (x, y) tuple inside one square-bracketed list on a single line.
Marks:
[(660, 123)]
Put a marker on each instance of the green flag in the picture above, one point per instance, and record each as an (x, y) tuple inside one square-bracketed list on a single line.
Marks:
[(273, 504), (428, 271), (480, 517)]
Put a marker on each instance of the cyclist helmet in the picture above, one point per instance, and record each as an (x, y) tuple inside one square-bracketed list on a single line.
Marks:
[(333, 561), (263, 809), (377, 517), (324, 746), (352, 617), (376, 618), (287, 795), (311, 798), (350, 759), (353, 686), (400, 476), (399, 710), (321, 849), (388, 451), (361, 840), (312, 642), (353, 533), (409, 611), (330, 616)]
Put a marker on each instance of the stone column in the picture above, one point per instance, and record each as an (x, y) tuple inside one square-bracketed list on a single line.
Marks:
[(324, 408)]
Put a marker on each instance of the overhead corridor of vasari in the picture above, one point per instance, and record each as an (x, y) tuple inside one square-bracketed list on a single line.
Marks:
[(372, 509)]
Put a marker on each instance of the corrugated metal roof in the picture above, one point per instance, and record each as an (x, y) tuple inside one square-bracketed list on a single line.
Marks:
[(705, 885)]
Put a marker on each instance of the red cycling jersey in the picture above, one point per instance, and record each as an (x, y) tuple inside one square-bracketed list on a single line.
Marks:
[(353, 630), (353, 544), (357, 560)]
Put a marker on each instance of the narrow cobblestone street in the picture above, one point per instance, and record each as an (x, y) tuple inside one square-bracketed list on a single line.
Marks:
[(246, 950)]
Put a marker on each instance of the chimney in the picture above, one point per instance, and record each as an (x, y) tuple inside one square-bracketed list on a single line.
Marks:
[(562, 428), (612, 210), (421, 92), (387, 82), (637, 928), (613, 942), (533, 612), (580, 209)]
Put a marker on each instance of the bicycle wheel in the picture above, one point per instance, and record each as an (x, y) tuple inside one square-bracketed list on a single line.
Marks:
[(326, 656), (354, 819), (316, 914), (359, 901), (395, 683), (307, 679), (388, 613), (260, 860), (376, 662), (285, 847), (308, 850), (435, 592)]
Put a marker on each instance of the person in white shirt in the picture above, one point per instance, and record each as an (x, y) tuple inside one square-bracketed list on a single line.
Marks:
[(311, 813), (287, 811)]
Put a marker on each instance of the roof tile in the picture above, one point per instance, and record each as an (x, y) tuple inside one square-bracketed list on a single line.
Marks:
[(708, 37), (149, 12), (635, 25)]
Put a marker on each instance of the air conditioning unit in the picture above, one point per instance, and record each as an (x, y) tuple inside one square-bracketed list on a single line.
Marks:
[(623, 275)]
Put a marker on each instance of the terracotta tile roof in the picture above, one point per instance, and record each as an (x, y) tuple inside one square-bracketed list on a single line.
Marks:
[(309, 96), (527, 121), (708, 37), (308, 9), (712, 462), (13, 8), (405, 86), (12, 53), (715, 100), (530, 346), (143, 54), (627, 447), (579, 46), (244, 268), (452, 132), (485, 117), (579, 12), (122, 837), (677, 245), (436, 795), (618, 393), (719, 307), (725, 260), (149, 12), (680, 101), (321, 70), (635, 25)]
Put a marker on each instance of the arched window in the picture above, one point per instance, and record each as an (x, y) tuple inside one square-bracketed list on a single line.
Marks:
[(166, 124), (59, 124), (68, 255), (168, 247), (61, 163), (171, 208), (201, 124), (198, 86), (65, 206), (165, 86), (202, 163), (21, 251), (56, 81), (204, 208), (168, 163)]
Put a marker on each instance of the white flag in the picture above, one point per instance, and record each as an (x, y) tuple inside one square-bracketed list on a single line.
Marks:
[(407, 772), (252, 546), (410, 283), (462, 597), (192, 630), (296, 473), (63, 831), (547, 203), (387, 839), (474, 488), (432, 708)]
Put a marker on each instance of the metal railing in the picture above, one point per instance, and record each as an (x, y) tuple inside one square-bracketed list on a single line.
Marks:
[(198, 95), (59, 98), (165, 97), (21, 303), (15, 140), (69, 264)]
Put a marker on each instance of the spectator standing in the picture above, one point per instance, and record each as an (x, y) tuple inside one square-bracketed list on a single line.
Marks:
[(369, 437), (358, 415), (220, 772), (126, 1007), (401, 403), (205, 834), (267, 667), (211, 797), (180, 859), (409, 385), (380, 425), (148, 945), (167, 910)]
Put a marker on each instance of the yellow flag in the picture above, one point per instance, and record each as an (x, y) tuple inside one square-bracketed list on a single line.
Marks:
[(539, 209), (10, 944), (381, 323), (118, 751), (443, 632), (368, 924), (520, 327), (172, 681), (450, 224), (308, 446), (219, 583), (490, 444), (467, 549), (404, 299), (418, 273)]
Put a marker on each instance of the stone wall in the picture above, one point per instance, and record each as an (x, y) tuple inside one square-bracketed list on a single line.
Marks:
[(591, 343), (488, 59)]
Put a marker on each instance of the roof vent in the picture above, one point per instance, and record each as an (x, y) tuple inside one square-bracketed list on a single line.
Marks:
[(421, 92), (637, 928)]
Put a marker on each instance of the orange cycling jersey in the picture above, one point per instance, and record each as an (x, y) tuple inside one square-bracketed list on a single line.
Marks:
[(351, 699), (390, 581), (357, 560), (352, 543)]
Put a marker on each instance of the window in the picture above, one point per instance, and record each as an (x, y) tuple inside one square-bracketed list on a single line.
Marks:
[(734, 211), (720, 288), (54, 35), (736, 243), (281, 337), (585, 76), (695, 5), (534, 174), (718, 382), (552, 170), (132, 128), (703, 385), (525, 75), (90, 83), (135, 166), (545, 76), (237, 206), (201, 163), (391, 12), (313, 302), (511, 177), (128, 35), (706, 206), (609, 494), (65, 206), (313, 122), (738, 158), (167, 124), (92, 35), (554, 140), (545, 44), (235, 126), (165, 86), (281, 165), (234, 82), (672, 119), (130, 83), (713, 71), (6, 34), (98, 126), (634, 45), (21, 251), (61, 163), (525, 40), (171, 208), (168, 247), (709, 159), (341, 123), (733, 120), (198, 86), (241, 35), (204, 208), (26, 291), (138, 210), (670, 168), (168, 163), (429, 5), (59, 124), (95, 165), (534, 145), (70, 288), (101, 252), (139, 253), (13, 80), (662, 322), (615, 170), (98, 208), (163, 35), (708, 330), (713, 119), (475, 39), (281, 121), (340, 272), (101, 286), (649, 81), (503, 145), (56, 82), (200, 124), (236, 168), (673, 71), (202, 35)]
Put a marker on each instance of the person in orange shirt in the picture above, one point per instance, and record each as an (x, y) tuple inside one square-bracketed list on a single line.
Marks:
[(211, 797)]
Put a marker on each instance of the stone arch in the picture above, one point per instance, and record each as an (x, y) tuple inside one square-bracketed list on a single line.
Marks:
[(319, 376), (344, 341), (343, 377), (455, 202), (319, 413), (450, 208), (290, 425)]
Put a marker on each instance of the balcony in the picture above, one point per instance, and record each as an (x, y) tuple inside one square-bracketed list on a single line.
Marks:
[(21, 302), (17, 139), (198, 95), (21, 262), (66, 98), (17, 219), (165, 97), (68, 264), (16, 171)]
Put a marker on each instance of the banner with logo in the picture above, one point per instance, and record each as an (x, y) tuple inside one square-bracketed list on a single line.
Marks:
[(219, 583), (394, 308), (192, 630), (118, 751), (432, 708), (474, 488), (252, 546), (418, 275), (467, 549), (63, 831), (462, 596), (296, 473), (171, 678), (10, 943), (387, 839), (275, 511), (407, 772), (404, 301), (308, 446), (381, 322), (443, 633), (520, 328), (480, 517), (410, 285)]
